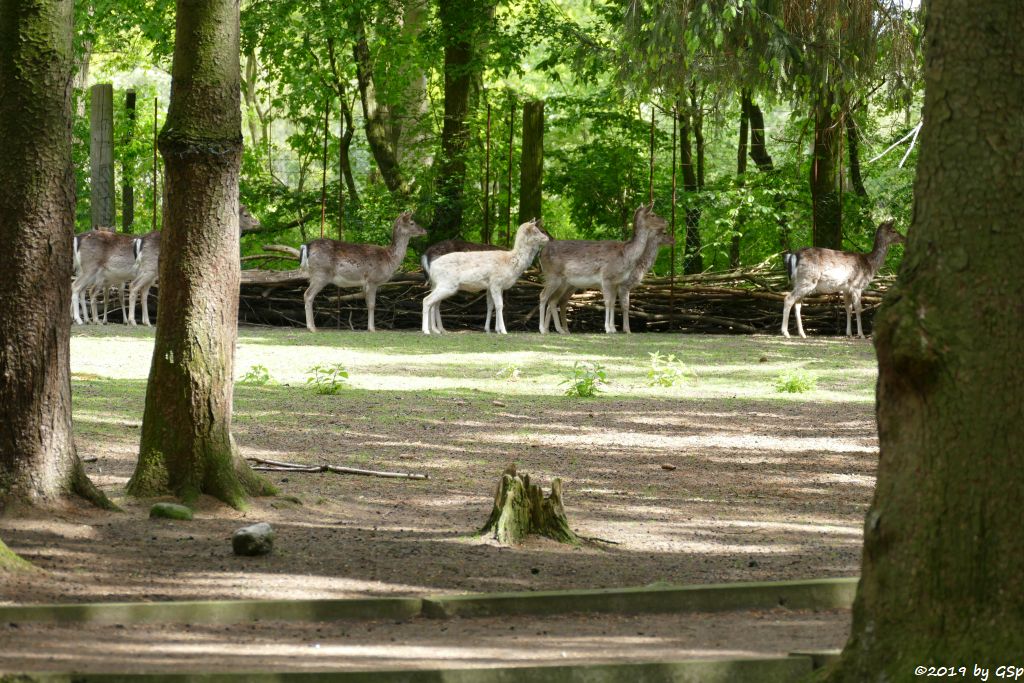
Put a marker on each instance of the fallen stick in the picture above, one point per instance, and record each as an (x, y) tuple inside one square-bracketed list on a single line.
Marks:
[(264, 465)]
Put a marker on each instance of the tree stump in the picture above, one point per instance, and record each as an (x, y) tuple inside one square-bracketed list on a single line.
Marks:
[(521, 509)]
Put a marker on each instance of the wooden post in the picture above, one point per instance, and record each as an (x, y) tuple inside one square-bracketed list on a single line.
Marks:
[(487, 180), (127, 188), (531, 162), (508, 188), (101, 155), (672, 276)]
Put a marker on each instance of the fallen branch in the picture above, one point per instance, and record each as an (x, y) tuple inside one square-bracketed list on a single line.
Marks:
[(264, 465)]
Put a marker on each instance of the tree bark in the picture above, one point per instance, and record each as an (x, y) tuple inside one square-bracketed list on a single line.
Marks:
[(853, 147), (101, 156), (758, 148), (38, 460), (942, 580), (186, 443), (826, 204), (693, 261), (531, 162), (521, 509)]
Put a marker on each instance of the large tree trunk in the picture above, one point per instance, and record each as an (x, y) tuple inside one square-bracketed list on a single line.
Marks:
[(531, 162), (186, 444), (38, 461), (942, 580), (826, 203), (458, 19)]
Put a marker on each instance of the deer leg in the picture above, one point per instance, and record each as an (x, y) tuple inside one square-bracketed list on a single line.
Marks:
[(799, 321), (545, 302), (93, 294), (432, 308), (624, 299), (311, 292), (786, 306), (609, 307), (370, 291), (490, 309), (848, 304), (76, 296), (560, 315), (124, 303), (857, 303), (499, 306), (144, 302)]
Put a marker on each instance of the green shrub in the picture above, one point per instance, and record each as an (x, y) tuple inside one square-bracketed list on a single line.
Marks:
[(258, 375), (586, 380), (796, 382), (328, 379), (665, 370)]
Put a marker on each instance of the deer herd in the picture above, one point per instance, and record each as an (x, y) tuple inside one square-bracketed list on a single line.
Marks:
[(104, 259)]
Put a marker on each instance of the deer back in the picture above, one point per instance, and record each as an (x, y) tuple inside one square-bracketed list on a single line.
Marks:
[(110, 255)]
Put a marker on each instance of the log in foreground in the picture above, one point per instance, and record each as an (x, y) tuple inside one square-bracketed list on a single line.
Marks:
[(520, 509), (264, 465)]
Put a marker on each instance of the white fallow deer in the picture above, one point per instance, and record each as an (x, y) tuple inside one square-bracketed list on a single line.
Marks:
[(102, 259), (487, 271), (439, 249), (148, 266), (368, 266), (569, 265), (817, 270)]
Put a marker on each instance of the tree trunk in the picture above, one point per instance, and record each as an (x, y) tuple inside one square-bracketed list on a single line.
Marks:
[(853, 145), (458, 19), (758, 148), (741, 168), (127, 188), (101, 156), (827, 208), (186, 443), (38, 461), (693, 261), (942, 580), (520, 510), (531, 162), (376, 118)]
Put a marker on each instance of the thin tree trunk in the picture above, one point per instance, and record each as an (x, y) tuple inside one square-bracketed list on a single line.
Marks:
[(38, 460), (826, 202), (186, 443), (853, 145), (763, 160), (531, 162), (127, 187), (348, 131), (376, 117), (942, 580), (741, 168), (693, 261)]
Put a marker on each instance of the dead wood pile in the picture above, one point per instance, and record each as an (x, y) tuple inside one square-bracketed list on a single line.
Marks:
[(737, 302)]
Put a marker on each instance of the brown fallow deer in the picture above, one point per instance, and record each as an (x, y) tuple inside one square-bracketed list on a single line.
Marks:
[(148, 266), (367, 266), (488, 271), (558, 314), (817, 270), (569, 265), (102, 259), (439, 249)]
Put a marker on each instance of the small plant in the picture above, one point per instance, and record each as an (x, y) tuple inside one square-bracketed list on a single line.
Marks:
[(509, 373), (258, 375), (586, 380), (796, 382), (328, 379), (666, 370)]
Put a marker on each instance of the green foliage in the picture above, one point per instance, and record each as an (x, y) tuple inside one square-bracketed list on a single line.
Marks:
[(586, 379), (257, 375), (796, 382), (666, 370), (509, 373), (328, 379)]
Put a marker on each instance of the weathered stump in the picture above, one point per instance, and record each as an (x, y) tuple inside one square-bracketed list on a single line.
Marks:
[(521, 509)]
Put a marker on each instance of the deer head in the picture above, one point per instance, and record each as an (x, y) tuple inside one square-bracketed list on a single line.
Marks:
[(887, 234), (644, 218), (406, 226)]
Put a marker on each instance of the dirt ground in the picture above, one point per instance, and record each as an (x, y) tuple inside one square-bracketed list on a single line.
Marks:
[(764, 487)]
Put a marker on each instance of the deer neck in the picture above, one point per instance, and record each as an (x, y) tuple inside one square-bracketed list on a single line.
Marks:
[(397, 248), (877, 255), (522, 253), (636, 245)]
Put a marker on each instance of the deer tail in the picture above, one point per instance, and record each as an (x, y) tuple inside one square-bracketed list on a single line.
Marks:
[(303, 256), (137, 246), (425, 262), (792, 261), (76, 255)]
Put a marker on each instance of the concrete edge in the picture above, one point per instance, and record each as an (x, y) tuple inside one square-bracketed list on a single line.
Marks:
[(760, 670), (817, 594), (811, 594)]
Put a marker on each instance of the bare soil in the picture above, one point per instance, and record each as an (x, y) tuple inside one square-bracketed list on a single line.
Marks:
[(761, 488)]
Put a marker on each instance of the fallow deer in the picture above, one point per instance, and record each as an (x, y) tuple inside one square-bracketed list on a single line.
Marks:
[(817, 270), (489, 271), (148, 266), (368, 266), (102, 259), (449, 246), (569, 265)]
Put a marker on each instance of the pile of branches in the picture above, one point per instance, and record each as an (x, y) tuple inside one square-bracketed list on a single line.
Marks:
[(734, 302)]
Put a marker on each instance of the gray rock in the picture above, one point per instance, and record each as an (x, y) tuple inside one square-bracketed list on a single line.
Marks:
[(170, 511), (257, 539)]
